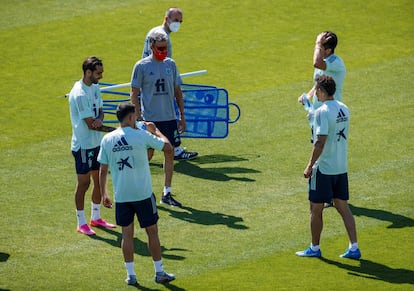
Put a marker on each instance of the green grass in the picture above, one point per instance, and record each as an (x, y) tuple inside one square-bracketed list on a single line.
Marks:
[(246, 204)]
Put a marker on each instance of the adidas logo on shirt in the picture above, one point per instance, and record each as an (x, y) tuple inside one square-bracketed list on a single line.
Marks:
[(341, 116), (122, 145)]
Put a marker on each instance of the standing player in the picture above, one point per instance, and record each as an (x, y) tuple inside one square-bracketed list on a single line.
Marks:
[(325, 62), (157, 81), (124, 152), (328, 166), (86, 116), (172, 22)]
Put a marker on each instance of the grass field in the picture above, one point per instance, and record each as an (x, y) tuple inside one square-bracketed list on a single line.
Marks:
[(246, 208)]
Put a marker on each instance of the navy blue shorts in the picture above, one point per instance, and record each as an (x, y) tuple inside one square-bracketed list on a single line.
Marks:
[(322, 188), (170, 130), (145, 210), (86, 160)]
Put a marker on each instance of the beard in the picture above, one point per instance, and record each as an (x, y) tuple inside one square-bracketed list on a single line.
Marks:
[(94, 80)]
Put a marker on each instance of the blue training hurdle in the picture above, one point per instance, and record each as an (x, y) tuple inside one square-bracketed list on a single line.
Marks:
[(206, 110)]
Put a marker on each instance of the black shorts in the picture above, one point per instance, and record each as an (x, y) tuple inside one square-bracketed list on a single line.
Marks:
[(170, 130), (86, 160), (145, 210), (322, 188)]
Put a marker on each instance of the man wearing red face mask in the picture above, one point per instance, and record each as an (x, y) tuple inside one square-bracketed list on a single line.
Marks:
[(155, 86), (172, 21)]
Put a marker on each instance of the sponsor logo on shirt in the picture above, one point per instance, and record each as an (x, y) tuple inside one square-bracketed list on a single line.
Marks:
[(341, 117), (122, 145), (160, 86), (341, 134), (122, 163)]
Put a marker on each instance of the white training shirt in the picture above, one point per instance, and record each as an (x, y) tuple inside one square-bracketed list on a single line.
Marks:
[(84, 101), (125, 151), (335, 68), (332, 119)]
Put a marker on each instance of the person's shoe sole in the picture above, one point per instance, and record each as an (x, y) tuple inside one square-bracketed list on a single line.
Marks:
[(82, 229), (351, 255), (101, 223), (303, 254), (164, 279), (131, 280), (178, 158)]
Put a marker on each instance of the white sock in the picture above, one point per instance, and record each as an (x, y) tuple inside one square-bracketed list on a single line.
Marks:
[(315, 248), (353, 246), (96, 211), (177, 151), (130, 268), (158, 266), (80, 215), (166, 190)]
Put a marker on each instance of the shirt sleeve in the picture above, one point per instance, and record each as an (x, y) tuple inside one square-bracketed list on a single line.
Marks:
[(83, 107), (154, 142), (333, 64), (102, 157), (136, 76), (321, 122)]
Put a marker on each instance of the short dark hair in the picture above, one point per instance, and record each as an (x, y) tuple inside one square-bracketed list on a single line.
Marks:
[(326, 83), (332, 41), (91, 63), (123, 110)]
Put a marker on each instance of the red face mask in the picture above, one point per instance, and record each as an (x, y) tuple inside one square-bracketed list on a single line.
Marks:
[(160, 53)]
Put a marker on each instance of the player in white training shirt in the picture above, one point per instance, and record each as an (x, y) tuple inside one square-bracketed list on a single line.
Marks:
[(327, 168), (86, 116), (124, 153)]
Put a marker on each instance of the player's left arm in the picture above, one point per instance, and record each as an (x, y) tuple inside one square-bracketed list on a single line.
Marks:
[(103, 179)]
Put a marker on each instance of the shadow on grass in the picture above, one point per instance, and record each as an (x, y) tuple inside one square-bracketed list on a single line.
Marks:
[(192, 169), (169, 286), (140, 247), (397, 220), (371, 270), (214, 159), (139, 287), (204, 217), (215, 174), (4, 257)]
